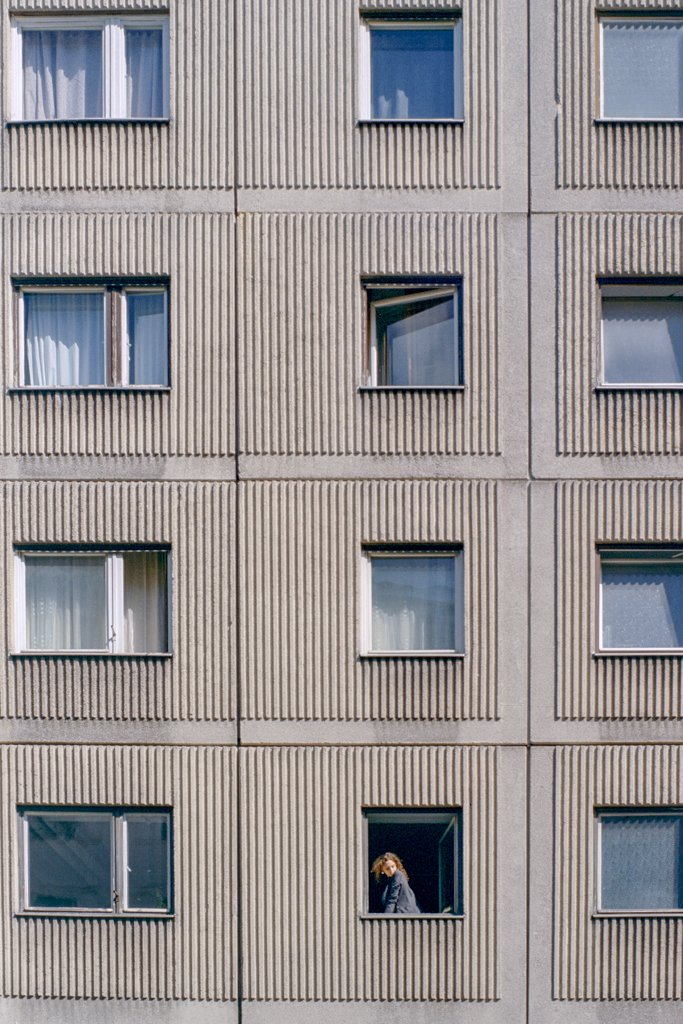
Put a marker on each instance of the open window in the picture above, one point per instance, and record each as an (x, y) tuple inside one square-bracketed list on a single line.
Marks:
[(414, 334), (96, 860), (101, 602), (641, 599), (640, 860), (428, 845), (642, 334)]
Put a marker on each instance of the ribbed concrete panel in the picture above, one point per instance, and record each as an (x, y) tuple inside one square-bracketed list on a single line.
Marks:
[(600, 422), (196, 416), (615, 957), (301, 601), (303, 334), (300, 126), (191, 956), (195, 149), (197, 681), (617, 686), (590, 155), (304, 934)]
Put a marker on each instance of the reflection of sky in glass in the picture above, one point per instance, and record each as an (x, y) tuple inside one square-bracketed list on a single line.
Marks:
[(147, 861), (419, 342), (643, 341), (642, 606), (416, 73), (642, 68), (417, 603), (642, 865)]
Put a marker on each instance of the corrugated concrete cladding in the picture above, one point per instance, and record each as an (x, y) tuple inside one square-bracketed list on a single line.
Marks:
[(268, 466)]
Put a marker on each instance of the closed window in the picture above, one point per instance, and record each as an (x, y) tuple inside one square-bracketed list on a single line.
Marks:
[(642, 67), (642, 334), (96, 859), (423, 846), (99, 335), (641, 599), (79, 68), (114, 602), (413, 601), (411, 69), (640, 864), (414, 335)]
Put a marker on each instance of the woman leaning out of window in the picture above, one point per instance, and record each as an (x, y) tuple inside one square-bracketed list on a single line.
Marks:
[(397, 896)]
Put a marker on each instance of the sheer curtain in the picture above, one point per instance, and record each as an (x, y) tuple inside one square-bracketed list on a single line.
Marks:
[(63, 339), (417, 604), (642, 341), (642, 606), (66, 603), (145, 602), (421, 343), (641, 862), (147, 338), (62, 74), (144, 72), (643, 68)]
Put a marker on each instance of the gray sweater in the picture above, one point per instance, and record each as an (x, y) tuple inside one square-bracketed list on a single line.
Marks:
[(398, 897)]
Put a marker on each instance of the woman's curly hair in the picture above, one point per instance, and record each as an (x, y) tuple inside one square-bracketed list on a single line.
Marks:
[(379, 863)]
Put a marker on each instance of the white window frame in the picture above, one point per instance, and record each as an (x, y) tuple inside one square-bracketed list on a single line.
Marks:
[(114, 342), (643, 812), (612, 18), (448, 817), (113, 29), (119, 818), (633, 291), (365, 627), (368, 22), (620, 555), (422, 292), (114, 575)]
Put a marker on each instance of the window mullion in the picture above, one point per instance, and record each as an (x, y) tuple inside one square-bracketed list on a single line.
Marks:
[(115, 568), (118, 866)]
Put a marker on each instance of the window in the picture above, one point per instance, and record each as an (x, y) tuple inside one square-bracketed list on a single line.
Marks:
[(77, 68), (109, 602), (427, 846), (642, 67), (413, 601), (111, 334), (641, 594), (412, 69), (414, 335), (96, 859), (640, 863), (642, 334)]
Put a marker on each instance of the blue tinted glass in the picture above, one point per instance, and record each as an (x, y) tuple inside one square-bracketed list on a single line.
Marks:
[(643, 68), (642, 341), (642, 866), (416, 73), (417, 603), (642, 605)]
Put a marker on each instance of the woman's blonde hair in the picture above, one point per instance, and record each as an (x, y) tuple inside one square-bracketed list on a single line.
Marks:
[(379, 863)]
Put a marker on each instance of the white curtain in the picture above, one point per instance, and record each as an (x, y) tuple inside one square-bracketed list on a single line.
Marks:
[(147, 338), (62, 74), (641, 862), (66, 602), (417, 604), (144, 72), (145, 602), (64, 338)]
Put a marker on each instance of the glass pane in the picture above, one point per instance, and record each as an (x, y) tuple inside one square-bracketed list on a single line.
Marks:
[(642, 605), (66, 603), (147, 338), (418, 343), (62, 74), (63, 339), (643, 341), (145, 601), (413, 73), (70, 861), (147, 861), (144, 72), (642, 867), (643, 68), (417, 603)]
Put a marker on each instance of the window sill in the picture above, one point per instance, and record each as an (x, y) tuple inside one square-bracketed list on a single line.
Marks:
[(381, 388), (411, 917), (88, 120), (387, 655), (99, 655), (89, 389), (638, 387), (640, 652), (608, 915), (637, 120), (95, 915), (363, 121)]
